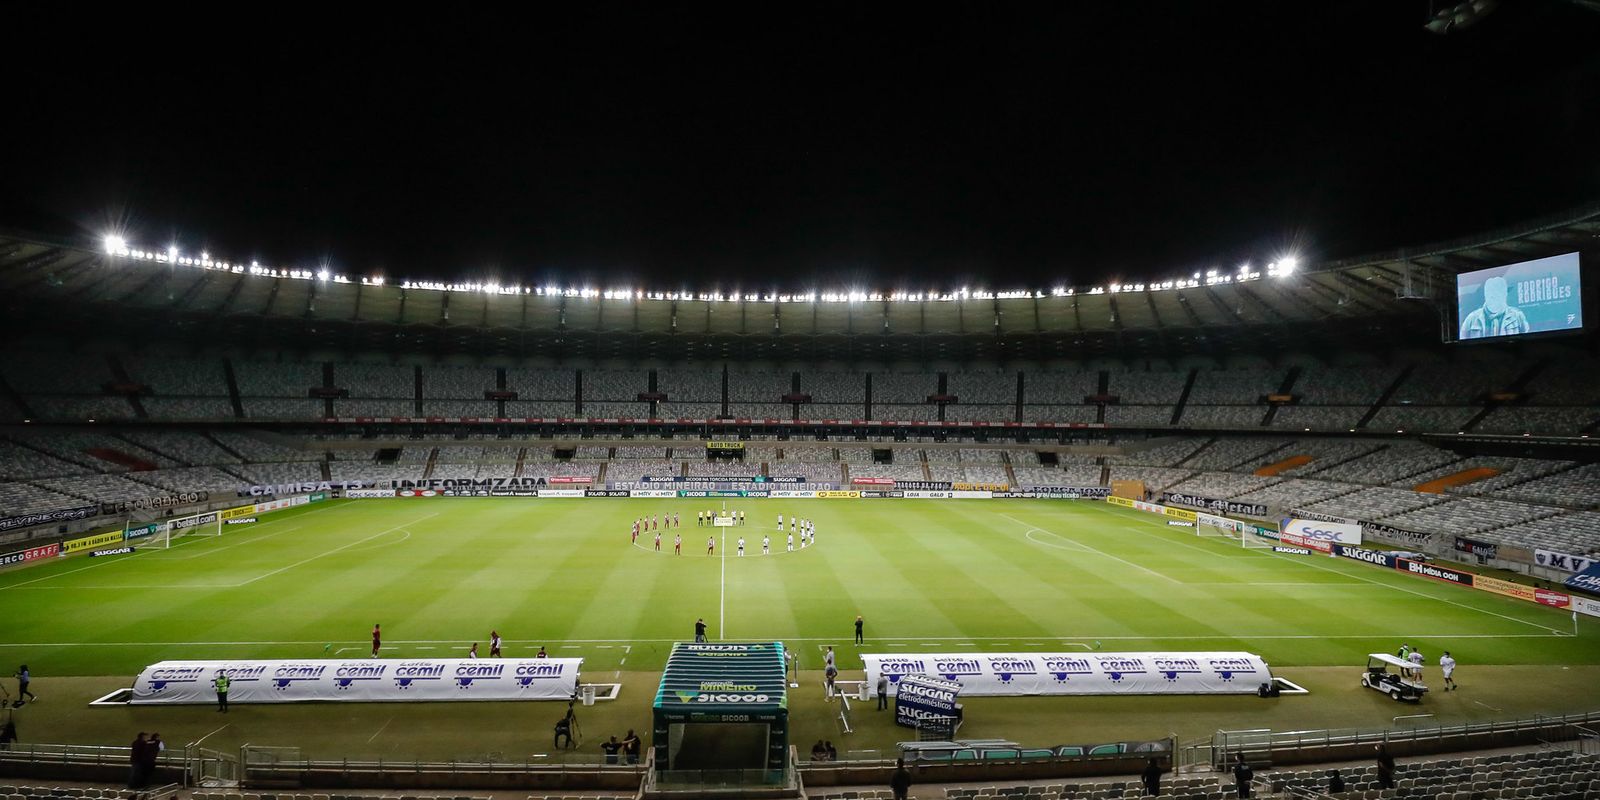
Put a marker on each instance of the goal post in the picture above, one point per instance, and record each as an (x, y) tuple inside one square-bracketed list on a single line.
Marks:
[(208, 523)]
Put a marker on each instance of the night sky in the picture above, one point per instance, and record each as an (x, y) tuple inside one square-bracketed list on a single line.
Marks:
[(677, 145)]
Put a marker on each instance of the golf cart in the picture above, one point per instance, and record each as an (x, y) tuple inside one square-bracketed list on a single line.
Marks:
[(1394, 676)]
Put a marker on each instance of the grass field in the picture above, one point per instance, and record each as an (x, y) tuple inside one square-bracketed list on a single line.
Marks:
[(927, 576)]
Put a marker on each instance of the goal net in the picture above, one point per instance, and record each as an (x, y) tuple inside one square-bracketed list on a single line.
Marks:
[(206, 524), (1245, 538)]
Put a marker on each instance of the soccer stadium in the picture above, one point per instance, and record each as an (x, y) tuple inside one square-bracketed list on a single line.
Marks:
[(1223, 467), (1074, 403)]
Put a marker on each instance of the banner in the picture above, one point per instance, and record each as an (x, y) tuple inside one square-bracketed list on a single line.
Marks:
[(1019, 674), (90, 542), (1303, 514), (971, 494), (919, 698), (359, 680), (368, 494), (1214, 521), (873, 481), (527, 482), (839, 495), (205, 519), (1074, 492), (30, 554), (273, 489), (875, 494), (652, 492), (154, 503), (1293, 551), (1394, 534), (142, 531), (927, 486), (1443, 574), (115, 551), (1377, 557), (1544, 597), (913, 494), (1586, 581), (1179, 514), (1316, 530), (1562, 561), (1119, 501), (48, 517), (1473, 547), (1584, 605), (556, 480), (1223, 506), (560, 492), (724, 445), (979, 487), (790, 493), (606, 493)]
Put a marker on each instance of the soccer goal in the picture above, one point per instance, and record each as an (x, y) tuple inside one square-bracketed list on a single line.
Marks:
[(1246, 539), (206, 524)]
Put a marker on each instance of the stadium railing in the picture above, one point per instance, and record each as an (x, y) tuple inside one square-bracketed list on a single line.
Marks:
[(1266, 747)]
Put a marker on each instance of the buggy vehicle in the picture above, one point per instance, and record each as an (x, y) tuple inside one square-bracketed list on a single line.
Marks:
[(1394, 676)]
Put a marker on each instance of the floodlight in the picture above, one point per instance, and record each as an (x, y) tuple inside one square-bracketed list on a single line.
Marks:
[(115, 244)]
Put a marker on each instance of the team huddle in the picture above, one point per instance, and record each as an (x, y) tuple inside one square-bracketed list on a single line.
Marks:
[(805, 528)]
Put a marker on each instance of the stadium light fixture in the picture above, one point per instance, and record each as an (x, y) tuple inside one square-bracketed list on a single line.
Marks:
[(116, 245)]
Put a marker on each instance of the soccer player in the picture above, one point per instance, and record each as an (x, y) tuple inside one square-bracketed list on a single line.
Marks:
[(741, 547), (1447, 665), (791, 543), (1416, 660), (780, 522), (676, 523), (377, 639), (473, 651), (677, 545), (792, 523), (635, 539), (658, 541), (711, 545), (699, 519), (541, 653), (494, 644), (766, 545)]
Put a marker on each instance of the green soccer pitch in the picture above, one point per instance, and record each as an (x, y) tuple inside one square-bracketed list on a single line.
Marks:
[(927, 576)]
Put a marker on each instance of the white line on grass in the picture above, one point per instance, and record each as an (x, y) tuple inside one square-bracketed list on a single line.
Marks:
[(209, 735), (204, 553), (381, 729), (722, 590), (1179, 637), (1364, 579), (1096, 551), (335, 550)]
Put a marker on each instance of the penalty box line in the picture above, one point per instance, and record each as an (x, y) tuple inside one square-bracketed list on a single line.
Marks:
[(1092, 550)]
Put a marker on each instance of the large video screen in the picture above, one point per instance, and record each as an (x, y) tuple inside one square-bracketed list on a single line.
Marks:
[(1540, 296)]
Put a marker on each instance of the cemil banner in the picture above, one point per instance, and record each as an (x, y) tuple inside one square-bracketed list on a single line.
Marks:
[(359, 680), (1019, 674)]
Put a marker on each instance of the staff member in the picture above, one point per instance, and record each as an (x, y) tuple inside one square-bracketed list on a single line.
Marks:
[(24, 677), (222, 683)]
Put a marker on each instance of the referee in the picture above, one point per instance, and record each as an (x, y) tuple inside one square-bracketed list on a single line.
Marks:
[(222, 683)]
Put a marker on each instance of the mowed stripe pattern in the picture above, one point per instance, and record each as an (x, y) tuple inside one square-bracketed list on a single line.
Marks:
[(997, 575)]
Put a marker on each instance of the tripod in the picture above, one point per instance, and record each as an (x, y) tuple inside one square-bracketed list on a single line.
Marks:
[(574, 731)]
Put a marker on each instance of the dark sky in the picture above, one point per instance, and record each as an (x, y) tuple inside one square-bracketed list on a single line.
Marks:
[(673, 144)]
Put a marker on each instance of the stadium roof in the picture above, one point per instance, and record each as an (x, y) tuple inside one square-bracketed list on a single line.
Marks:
[(79, 291)]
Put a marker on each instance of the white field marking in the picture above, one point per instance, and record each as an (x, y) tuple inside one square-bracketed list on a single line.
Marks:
[(1139, 567), (1301, 583), (253, 528), (205, 553), (143, 588), (1242, 636), (381, 729), (1362, 578), (603, 647), (335, 550), (342, 649), (1075, 546), (722, 589), (385, 544), (59, 574), (209, 735), (425, 648)]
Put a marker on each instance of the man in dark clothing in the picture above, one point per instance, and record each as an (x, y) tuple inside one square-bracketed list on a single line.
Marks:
[(136, 762), (858, 629), (152, 752), (700, 630), (564, 730), (883, 692), (630, 746), (1385, 767), (611, 748), (8, 734), (1335, 782), (900, 781), (1242, 775), (1151, 777)]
